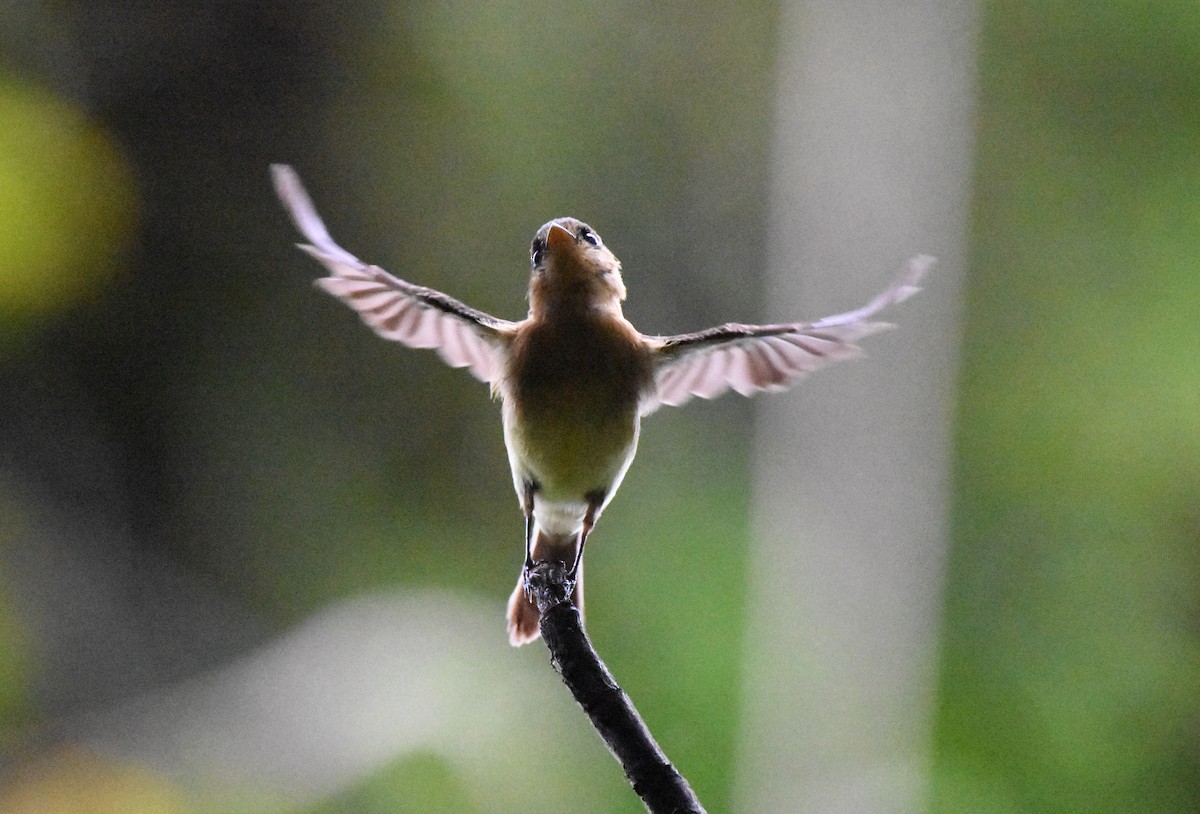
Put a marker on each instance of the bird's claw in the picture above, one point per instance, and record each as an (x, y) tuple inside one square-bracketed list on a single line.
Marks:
[(540, 575)]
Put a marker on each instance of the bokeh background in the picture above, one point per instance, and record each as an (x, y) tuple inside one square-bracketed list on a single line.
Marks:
[(253, 559)]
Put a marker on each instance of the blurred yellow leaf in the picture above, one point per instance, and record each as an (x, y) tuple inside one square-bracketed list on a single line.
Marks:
[(73, 781), (67, 202)]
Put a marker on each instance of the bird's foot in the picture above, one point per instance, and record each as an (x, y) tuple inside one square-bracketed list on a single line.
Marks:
[(547, 578)]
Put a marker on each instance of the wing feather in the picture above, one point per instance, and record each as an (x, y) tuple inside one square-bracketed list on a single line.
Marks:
[(762, 373), (715, 378), (412, 315), (741, 363), (690, 376), (753, 358)]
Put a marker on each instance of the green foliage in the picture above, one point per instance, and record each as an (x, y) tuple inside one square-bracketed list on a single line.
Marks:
[(419, 783), (16, 644), (1071, 653)]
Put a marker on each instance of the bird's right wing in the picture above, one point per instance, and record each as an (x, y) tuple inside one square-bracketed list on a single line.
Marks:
[(753, 358), (416, 316)]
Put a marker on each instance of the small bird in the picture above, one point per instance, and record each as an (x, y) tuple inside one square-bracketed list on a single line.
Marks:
[(575, 377)]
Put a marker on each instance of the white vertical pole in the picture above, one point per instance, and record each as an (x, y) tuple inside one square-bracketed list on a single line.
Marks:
[(871, 166)]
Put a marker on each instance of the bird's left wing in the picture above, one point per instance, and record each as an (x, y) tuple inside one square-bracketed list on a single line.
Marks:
[(753, 358), (416, 316)]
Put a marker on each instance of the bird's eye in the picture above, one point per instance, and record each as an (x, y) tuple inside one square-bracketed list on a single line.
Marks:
[(537, 250), (588, 235)]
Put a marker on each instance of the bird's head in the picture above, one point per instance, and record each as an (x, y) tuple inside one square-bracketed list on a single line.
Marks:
[(572, 266)]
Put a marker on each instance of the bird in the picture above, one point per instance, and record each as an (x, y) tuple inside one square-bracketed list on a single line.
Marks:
[(574, 377)]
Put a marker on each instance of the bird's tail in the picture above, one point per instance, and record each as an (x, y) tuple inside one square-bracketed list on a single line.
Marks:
[(523, 616)]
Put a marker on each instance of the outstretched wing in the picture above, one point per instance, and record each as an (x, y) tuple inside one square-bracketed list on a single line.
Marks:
[(753, 358), (416, 316)]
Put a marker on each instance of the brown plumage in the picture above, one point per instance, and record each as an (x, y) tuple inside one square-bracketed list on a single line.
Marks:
[(575, 377)]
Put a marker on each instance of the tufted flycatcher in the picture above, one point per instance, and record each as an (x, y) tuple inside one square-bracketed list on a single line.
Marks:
[(575, 377)]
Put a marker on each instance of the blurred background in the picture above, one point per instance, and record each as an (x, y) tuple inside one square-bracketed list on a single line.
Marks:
[(254, 559)]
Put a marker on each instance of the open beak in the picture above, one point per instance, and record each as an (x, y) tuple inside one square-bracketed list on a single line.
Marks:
[(558, 238)]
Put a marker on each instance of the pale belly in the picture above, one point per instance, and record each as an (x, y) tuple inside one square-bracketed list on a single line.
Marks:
[(572, 446), (578, 380)]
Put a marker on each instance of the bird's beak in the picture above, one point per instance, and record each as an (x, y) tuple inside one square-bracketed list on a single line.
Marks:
[(558, 238)]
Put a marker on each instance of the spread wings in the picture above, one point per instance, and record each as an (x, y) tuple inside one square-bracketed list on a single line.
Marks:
[(416, 316), (753, 358)]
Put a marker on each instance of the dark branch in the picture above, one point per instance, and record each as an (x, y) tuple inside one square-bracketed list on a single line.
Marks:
[(662, 789)]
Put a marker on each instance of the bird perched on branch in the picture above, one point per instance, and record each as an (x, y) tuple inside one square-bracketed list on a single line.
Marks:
[(575, 377)]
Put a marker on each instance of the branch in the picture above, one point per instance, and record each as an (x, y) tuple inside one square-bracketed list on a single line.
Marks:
[(662, 789)]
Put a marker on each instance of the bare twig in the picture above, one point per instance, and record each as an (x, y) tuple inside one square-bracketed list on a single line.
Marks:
[(662, 789)]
